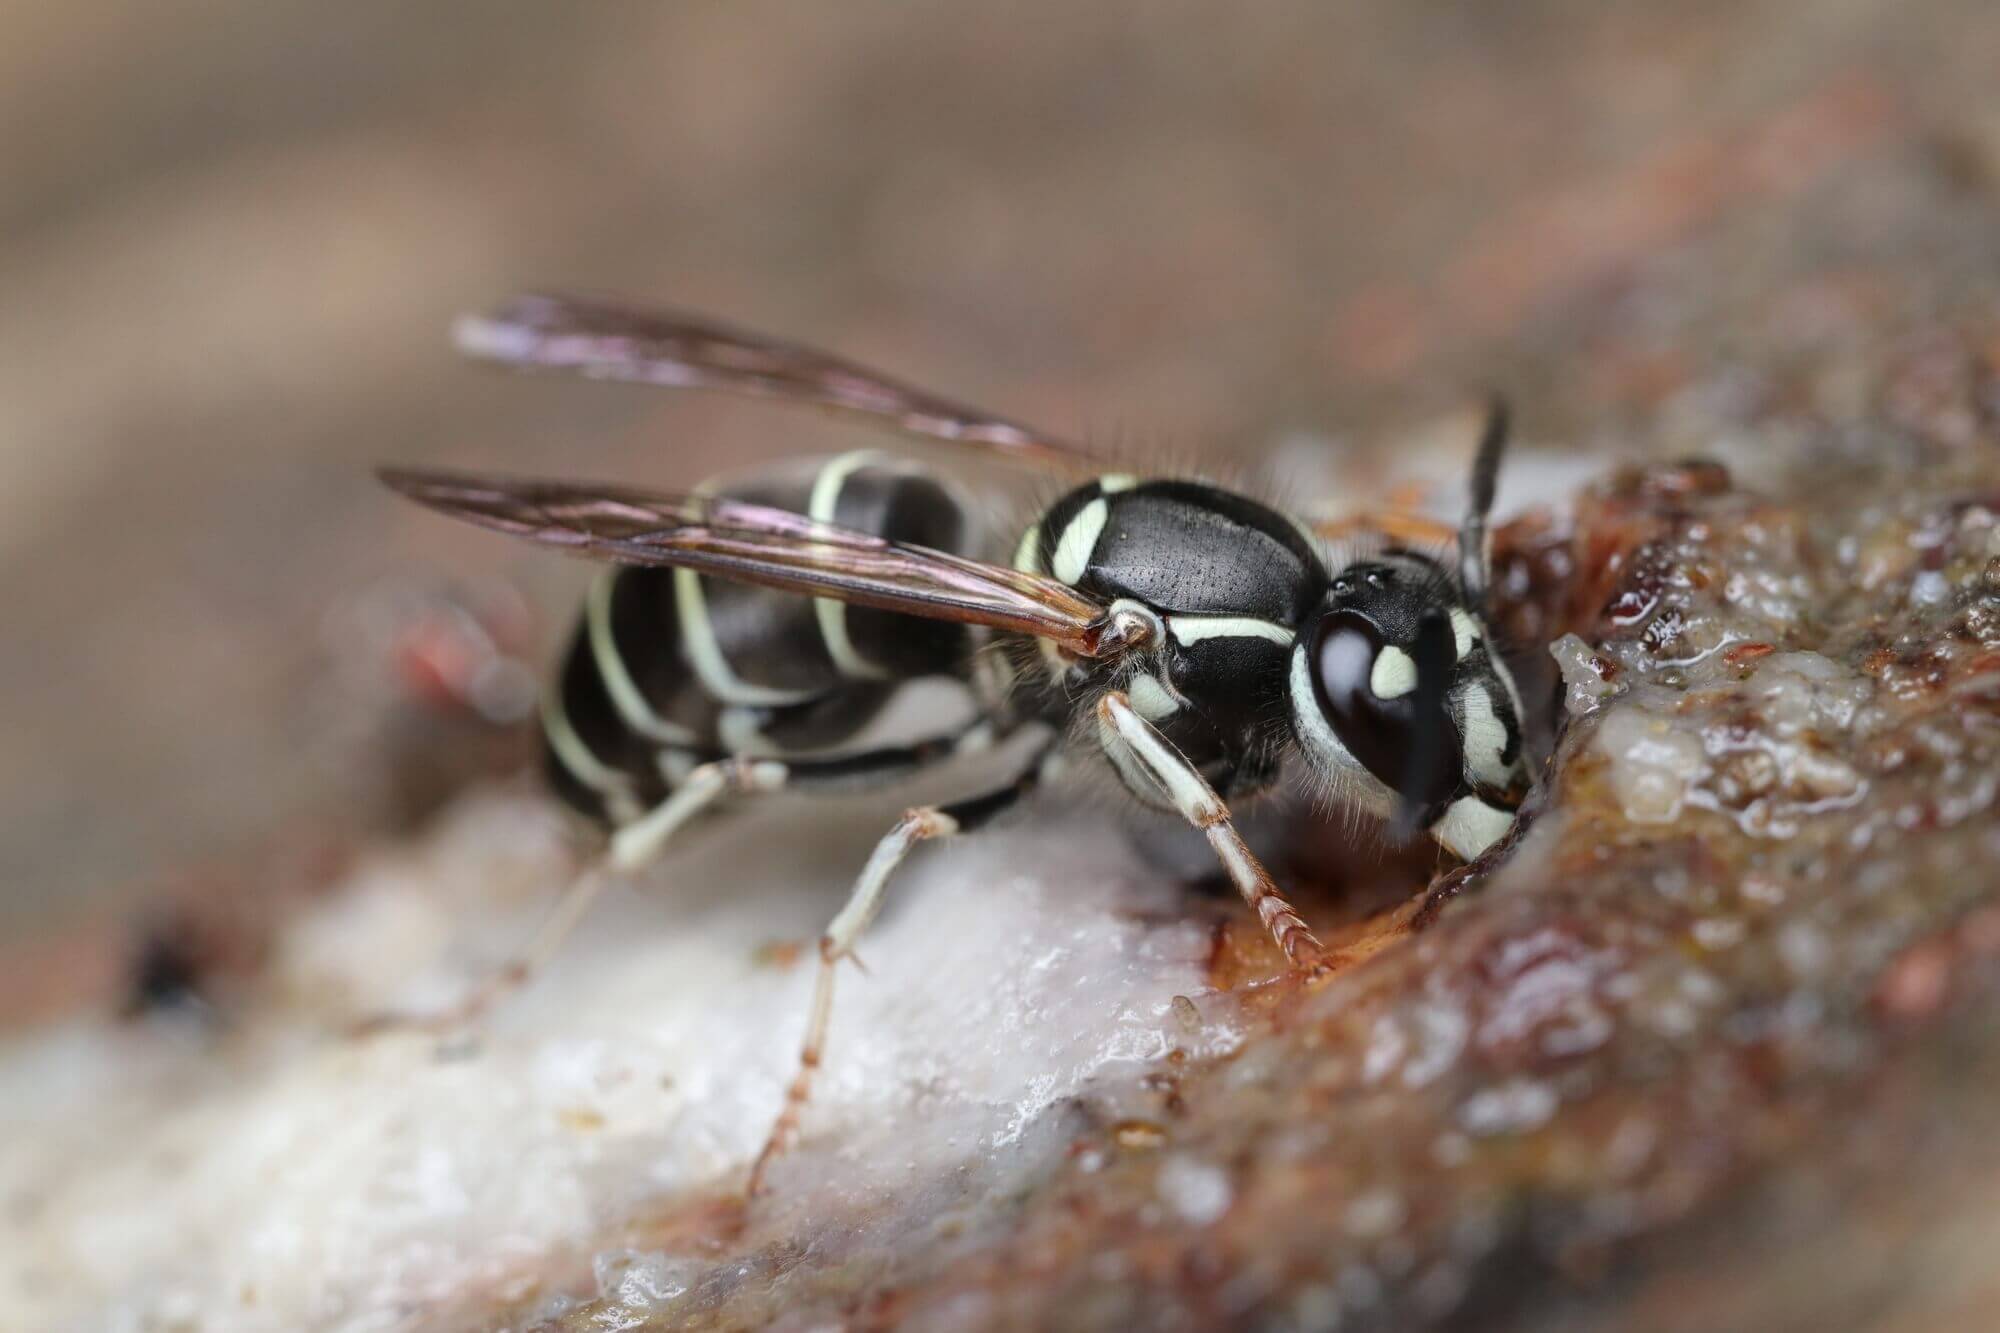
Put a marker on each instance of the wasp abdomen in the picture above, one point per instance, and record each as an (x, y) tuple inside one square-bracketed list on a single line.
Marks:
[(668, 669)]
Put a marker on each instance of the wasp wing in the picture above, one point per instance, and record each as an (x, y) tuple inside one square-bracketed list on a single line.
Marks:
[(602, 340), (750, 543)]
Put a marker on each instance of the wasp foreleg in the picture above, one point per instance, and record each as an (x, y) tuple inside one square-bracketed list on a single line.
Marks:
[(1197, 802)]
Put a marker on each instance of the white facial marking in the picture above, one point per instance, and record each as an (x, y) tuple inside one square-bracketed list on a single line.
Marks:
[(1151, 699), (1333, 761), (1319, 735), (1485, 737), (1464, 630), (1470, 826), (1115, 482), (1193, 629), (831, 614), (1393, 675), (1078, 540)]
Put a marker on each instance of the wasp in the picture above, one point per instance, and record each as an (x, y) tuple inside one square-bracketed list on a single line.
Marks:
[(744, 635)]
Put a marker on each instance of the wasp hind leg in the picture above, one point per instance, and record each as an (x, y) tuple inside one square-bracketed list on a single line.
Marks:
[(638, 842), (1183, 784), (920, 824), (634, 845)]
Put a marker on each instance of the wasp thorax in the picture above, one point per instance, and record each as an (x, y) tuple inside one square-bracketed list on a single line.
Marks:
[(1366, 685)]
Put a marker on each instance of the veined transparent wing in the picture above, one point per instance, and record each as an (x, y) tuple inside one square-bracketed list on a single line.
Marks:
[(750, 543), (604, 340)]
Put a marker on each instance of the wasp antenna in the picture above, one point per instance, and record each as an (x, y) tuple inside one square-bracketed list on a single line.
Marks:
[(1435, 653), (1474, 566)]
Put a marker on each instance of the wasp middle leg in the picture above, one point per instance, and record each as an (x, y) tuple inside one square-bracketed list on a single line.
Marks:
[(920, 824)]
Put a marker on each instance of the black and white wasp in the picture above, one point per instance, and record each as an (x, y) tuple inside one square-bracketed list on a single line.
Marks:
[(1194, 638)]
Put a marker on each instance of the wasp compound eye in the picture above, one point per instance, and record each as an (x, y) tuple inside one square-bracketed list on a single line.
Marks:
[(1368, 689)]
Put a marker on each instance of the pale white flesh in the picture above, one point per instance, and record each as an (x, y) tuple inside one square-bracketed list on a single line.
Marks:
[(288, 1178)]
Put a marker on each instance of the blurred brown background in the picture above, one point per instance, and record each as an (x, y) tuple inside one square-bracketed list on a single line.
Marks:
[(232, 236)]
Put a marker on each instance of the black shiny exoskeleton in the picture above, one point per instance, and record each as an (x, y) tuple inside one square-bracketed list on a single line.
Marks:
[(1192, 636)]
